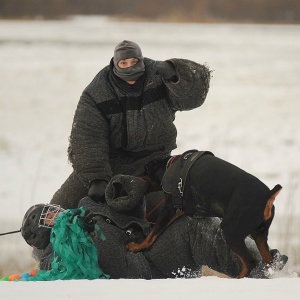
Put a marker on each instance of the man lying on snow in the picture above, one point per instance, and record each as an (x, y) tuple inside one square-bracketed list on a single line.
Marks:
[(181, 250)]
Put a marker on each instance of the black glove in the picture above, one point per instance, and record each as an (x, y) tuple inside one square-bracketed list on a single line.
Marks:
[(88, 219), (97, 190), (166, 71)]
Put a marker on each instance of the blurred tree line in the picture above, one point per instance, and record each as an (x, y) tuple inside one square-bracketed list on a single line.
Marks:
[(263, 11)]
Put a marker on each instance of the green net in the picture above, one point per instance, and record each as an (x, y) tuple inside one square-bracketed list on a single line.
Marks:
[(74, 255)]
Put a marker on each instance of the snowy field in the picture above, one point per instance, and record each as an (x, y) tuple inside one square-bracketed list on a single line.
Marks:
[(209, 288), (250, 118)]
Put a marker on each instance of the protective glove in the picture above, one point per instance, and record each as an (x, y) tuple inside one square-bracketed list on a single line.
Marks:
[(88, 219), (97, 190), (166, 71)]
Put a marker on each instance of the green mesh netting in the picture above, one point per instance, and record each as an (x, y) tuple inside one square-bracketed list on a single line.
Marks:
[(74, 255)]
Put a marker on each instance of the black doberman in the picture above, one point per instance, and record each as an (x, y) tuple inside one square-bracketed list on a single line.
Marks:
[(214, 187)]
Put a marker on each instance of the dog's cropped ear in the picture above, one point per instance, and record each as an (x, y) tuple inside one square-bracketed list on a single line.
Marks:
[(268, 209)]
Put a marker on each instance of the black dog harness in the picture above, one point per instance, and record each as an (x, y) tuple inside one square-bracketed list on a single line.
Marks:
[(173, 181)]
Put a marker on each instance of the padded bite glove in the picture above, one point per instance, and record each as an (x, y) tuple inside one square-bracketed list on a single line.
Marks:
[(166, 71), (97, 190)]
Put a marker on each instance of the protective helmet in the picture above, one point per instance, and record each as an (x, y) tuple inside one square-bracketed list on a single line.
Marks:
[(34, 230)]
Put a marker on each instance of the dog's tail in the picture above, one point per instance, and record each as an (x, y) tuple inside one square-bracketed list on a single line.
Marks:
[(273, 194)]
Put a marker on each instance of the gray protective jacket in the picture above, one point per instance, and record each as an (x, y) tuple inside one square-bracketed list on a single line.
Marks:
[(118, 128)]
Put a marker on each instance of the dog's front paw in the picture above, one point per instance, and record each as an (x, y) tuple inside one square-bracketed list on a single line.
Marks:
[(133, 247)]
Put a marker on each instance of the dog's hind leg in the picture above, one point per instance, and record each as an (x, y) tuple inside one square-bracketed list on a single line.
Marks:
[(247, 260), (237, 244), (262, 247), (261, 237)]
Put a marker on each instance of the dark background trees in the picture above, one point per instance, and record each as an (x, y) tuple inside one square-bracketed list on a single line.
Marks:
[(262, 11)]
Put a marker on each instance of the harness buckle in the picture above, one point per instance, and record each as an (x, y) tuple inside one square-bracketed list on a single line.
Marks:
[(180, 186)]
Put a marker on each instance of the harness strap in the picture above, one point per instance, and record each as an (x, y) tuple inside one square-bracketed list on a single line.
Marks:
[(174, 179), (171, 160)]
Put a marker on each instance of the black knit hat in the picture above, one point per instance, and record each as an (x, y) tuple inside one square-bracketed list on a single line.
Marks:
[(127, 49), (124, 50)]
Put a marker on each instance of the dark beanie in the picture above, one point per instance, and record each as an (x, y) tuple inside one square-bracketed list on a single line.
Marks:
[(124, 50), (127, 49)]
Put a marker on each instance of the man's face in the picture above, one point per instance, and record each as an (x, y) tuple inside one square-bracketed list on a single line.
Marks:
[(126, 63)]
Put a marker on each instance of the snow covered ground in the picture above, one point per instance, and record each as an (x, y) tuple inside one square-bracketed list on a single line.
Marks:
[(126, 289), (250, 118)]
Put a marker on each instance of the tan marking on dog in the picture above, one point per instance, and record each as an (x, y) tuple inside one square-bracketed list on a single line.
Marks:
[(269, 205)]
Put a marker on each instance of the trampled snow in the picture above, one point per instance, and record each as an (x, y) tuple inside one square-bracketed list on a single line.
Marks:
[(250, 118)]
